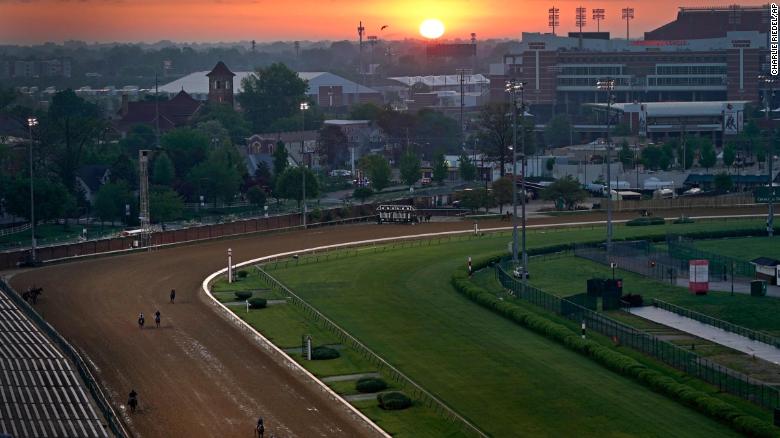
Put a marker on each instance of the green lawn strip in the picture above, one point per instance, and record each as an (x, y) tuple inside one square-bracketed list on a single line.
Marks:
[(52, 233), (743, 248), (507, 380), (486, 278), (608, 357), (757, 313), (284, 325)]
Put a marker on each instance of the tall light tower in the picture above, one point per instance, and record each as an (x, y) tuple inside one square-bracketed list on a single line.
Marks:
[(608, 85), (513, 87), (32, 121), (628, 15), (462, 73), (769, 92), (581, 21), (553, 18), (143, 192), (361, 30), (598, 15), (304, 107)]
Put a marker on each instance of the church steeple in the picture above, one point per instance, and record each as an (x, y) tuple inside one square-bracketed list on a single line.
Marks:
[(221, 84)]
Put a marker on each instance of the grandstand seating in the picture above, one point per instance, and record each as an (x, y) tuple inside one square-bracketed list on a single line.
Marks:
[(40, 393)]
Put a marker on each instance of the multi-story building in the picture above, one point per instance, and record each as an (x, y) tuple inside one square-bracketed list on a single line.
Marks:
[(707, 54)]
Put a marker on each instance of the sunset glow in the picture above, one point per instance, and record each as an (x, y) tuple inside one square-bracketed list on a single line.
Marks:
[(432, 28), (34, 21)]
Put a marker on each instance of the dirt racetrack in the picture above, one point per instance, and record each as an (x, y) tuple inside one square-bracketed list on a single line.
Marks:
[(198, 375)]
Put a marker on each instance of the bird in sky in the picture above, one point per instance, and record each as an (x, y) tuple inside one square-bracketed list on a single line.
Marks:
[(384, 27)]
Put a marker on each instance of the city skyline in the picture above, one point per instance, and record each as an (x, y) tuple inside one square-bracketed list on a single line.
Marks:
[(38, 21)]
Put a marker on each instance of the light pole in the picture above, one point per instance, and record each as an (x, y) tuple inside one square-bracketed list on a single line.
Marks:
[(32, 121), (304, 107), (769, 81), (230, 265), (513, 87), (608, 85)]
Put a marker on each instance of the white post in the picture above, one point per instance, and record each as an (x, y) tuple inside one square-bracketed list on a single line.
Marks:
[(230, 265), (476, 228), (308, 347), (583, 329), (247, 306)]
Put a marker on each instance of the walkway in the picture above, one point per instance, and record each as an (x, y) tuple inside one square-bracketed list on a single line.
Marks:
[(706, 331)]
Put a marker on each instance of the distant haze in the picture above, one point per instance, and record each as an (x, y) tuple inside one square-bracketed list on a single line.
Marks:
[(36, 21)]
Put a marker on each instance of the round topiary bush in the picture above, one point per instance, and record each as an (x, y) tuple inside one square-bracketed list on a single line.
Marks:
[(243, 295), (242, 274), (324, 353), (370, 384), (257, 303), (393, 400)]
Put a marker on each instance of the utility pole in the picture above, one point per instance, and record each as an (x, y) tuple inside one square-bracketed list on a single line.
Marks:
[(32, 121), (608, 85), (628, 15), (156, 113), (304, 107), (361, 30)]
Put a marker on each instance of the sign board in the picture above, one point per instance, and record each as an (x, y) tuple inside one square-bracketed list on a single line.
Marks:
[(658, 43), (730, 126), (699, 276), (762, 195), (643, 121)]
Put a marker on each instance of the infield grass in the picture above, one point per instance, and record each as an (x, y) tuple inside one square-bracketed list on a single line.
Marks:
[(743, 248), (506, 379)]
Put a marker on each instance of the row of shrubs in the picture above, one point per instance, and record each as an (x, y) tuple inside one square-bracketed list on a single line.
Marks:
[(645, 220), (613, 360), (393, 400)]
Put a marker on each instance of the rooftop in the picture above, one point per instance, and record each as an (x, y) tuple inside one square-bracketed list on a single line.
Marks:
[(198, 84)]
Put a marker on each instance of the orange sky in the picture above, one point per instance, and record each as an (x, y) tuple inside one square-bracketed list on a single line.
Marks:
[(34, 21)]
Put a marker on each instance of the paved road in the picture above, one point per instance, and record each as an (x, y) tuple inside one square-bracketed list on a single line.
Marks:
[(706, 331)]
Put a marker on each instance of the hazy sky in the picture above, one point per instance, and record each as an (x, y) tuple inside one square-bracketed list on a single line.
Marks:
[(34, 21)]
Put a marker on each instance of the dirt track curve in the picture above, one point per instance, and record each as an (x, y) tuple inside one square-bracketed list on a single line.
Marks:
[(198, 375)]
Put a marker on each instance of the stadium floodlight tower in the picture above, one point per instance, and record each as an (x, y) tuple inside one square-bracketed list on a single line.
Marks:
[(628, 15), (581, 21), (598, 15), (769, 83), (32, 121), (553, 18), (608, 85), (513, 87), (143, 193), (304, 107)]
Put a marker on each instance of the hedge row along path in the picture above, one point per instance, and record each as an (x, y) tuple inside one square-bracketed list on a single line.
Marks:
[(199, 374)]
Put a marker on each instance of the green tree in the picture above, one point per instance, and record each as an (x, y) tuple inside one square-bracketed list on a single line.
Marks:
[(688, 152), (723, 182), (110, 201), (550, 164), (271, 93), (652, 157), (331, 145), (365, 111), (377, 169), (468, 171), (217, 178), (165, 205), (290, 186), (280, 159), (441, 169), (476, 199), (708, 156), (431, 125), (729, 154), (52, 199), (139, 137), (567, 190), (124, 169), (232, 120), (256, 196), (557, 132), (495, 132), (410, 168), (502, 191), (186, 148), (163, 171)]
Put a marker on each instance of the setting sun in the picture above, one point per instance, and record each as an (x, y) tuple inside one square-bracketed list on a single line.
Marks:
[(432, 28)]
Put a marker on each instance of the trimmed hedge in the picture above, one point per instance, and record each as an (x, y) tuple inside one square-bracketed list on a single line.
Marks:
[(634, 300), (370, 384), (643, 221), (393, 400), (242, 274), (324, 353), (683, 220), (611, 359), (243, 295), (257, 303)]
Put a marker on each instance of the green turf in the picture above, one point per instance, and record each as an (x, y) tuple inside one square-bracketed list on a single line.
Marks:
[(758, 313), (47, 234), (743, 248), (508, 380)]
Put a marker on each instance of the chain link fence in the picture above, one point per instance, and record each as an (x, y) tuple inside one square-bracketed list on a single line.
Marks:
[(720, 265), (639, 257), (725, 379)]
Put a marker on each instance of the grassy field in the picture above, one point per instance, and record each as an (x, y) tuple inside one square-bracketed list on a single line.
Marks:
[(508, 380), (52, 233), (744, 248), (758, 313)]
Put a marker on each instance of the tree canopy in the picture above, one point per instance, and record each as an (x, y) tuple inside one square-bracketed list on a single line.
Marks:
[(270, 94), (567, 190), (377, 169), (410, 168)]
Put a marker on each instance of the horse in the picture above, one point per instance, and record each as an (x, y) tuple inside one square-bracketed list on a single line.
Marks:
[(31, 295), (141, 321)]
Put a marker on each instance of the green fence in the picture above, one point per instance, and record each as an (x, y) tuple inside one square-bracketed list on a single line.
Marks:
[(86, 375), (723, 325), (720, 265), (725, 379)]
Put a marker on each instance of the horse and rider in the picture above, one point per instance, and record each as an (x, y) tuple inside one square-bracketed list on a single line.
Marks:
[(31, 294), (141, 320), (132, 400)]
